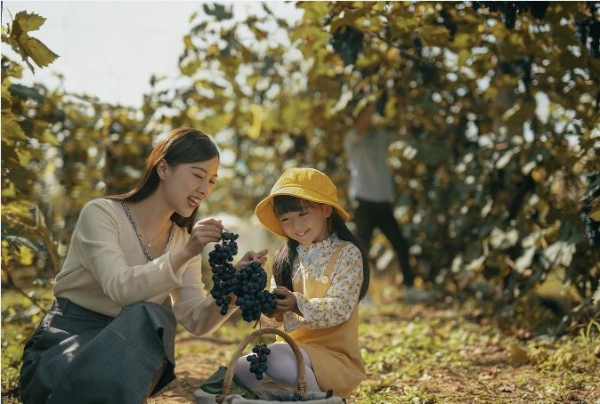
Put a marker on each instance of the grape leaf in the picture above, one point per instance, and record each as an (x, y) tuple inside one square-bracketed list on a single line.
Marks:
[(41, 55), (27, 46)]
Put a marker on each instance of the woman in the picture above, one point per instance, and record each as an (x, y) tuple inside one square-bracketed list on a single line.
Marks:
[(108, 338)]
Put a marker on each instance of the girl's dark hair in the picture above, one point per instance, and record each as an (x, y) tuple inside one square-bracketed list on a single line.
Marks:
[(284, 257), (180, 146)]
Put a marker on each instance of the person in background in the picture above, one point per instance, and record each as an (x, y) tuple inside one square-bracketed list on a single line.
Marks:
[(108, 338), (372, 189), (320, 273)]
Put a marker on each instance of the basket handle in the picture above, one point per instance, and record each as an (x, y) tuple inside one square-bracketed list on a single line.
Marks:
[(228, 378)]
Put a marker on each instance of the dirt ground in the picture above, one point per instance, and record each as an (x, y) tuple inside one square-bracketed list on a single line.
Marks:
[(193, 368), (491, 376)]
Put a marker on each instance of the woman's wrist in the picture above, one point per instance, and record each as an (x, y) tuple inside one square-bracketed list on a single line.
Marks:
[(179, 258)]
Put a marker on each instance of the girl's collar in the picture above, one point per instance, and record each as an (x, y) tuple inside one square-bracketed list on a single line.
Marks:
[(320, 244)]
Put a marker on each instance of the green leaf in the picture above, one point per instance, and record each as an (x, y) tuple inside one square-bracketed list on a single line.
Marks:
[(25, 92), (433, 153), (219, 11)]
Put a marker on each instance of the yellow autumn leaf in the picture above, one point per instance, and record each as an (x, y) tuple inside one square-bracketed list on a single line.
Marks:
[(28, 22), (595, 214), (24, 156), (8, 191), (463, 56), (393, 54), (435, 36), (187, 41), (254, 130), (26, 46), (36, 50), (25, 255), (11, 128), (518, 353), (50, 138)]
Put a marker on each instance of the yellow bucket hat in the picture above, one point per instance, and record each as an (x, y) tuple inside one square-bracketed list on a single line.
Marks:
[(303, 183)]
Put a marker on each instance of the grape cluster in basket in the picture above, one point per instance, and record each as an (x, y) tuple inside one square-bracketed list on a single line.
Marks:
[(248, 284), (258, 360)]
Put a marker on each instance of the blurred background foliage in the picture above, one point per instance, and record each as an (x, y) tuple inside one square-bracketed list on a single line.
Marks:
[(497, 105)]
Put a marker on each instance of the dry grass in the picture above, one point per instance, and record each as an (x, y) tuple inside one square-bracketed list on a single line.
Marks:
[(435, 352)]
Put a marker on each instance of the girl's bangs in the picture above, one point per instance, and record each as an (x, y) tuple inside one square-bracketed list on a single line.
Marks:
[(285, 203)]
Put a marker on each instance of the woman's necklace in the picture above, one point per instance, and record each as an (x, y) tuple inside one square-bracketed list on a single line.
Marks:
[(149, 243), (144, 245)]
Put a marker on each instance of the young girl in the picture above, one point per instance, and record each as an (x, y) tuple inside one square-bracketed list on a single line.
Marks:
[(320, 273), (108, 338)]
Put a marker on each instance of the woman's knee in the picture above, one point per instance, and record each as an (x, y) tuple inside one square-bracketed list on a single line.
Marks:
[(143, 313), (149, 308)]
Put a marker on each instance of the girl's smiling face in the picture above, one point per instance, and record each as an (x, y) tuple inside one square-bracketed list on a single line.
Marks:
[(186, 185), (308, 223)]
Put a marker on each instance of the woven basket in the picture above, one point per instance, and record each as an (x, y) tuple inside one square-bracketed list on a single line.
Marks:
[(228, 378)]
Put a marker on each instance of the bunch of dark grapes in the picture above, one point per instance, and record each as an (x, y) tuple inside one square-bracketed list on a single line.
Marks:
[(223, 277), (252, 298), (258, 360)]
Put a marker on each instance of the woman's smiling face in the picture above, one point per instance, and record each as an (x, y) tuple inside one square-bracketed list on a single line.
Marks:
[(307, 225), (187, 185)]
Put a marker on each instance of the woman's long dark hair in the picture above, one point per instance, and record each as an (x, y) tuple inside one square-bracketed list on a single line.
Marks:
[(284, 257), (181, 146)]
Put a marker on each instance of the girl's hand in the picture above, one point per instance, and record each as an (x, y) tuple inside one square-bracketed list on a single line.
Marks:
[(286, 300), (251, 256), (276, 316), (204, 231)]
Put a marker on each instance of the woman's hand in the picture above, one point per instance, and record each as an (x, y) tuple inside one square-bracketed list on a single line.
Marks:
[(252, 256), (286, 300), (205, 231)]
